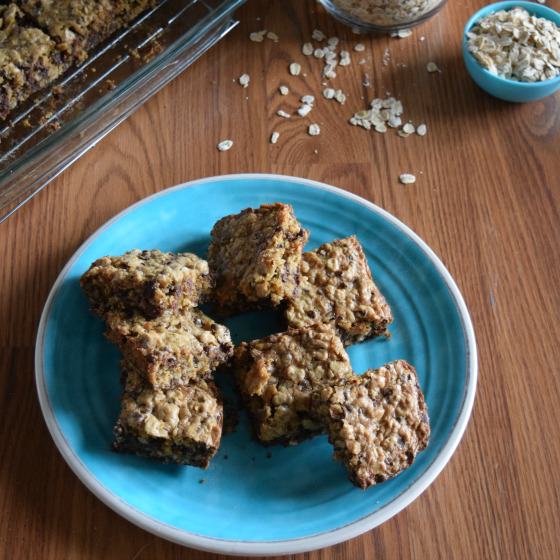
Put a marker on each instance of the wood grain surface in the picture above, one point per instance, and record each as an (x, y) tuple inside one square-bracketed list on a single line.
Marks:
[(486, 200)]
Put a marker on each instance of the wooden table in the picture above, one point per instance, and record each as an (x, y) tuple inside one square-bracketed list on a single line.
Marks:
[(486, 199)]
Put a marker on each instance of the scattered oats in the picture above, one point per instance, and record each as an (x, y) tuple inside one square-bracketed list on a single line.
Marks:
[(328, 71), (272, 36), (283, 90), (432, 67), (421, 130), (359, 47), (362, 61), (516, 45), (394, 121), (386, 57), (295, 69), (274, 137), (318, 53), (304, 110), (307, 49), (330, 56), (333, 41), (340, 96), (308, 99), (382, 112), (407, 178), (402, 133), (314, 130), (244, 80), (345, 58), (402, 33), (225, 145), (329, 93), (257, 36), (283, 114), (318, 35), (408, 128)]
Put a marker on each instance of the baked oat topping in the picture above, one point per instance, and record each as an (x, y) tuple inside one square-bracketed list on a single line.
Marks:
[(278, 374), (147, 282), (337, 288), (377, 422), (172, 349), (255, 257), (180, 425), (516, 45)]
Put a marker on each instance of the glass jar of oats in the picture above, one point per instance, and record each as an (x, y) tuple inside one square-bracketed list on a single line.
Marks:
[(382, 15)]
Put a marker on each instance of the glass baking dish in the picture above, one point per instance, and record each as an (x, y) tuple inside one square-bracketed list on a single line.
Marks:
[(55, 127)]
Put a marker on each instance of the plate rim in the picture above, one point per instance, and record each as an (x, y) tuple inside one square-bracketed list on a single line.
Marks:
[(286, 546)]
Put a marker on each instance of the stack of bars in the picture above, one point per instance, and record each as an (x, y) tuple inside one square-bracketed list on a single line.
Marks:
[(170, 408), (299, 383), (295, 384), (41, 39)]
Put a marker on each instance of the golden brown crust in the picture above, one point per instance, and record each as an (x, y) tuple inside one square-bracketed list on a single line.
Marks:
[(255, 257), (377, 422), (172, 349), (29, 59), (277, 375), (80, 25), (336, 287), (181, 425), (147, 282)]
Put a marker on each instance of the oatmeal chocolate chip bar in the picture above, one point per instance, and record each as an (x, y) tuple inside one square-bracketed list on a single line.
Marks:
[(336, 287), (181, 425), (378, 422), (29, 59), (146, 282), (277, 375), (78, 26), (255, 257), (172, 349)]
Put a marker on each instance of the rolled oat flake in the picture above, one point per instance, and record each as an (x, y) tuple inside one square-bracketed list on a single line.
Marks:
[(407, 178)]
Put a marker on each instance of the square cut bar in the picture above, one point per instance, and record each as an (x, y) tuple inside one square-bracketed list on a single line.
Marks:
[(78, 26), (336, 287), (277, 375), (173, 349), (255, 257), (378, 422), (150, 283), (181, 425), (29, 59)]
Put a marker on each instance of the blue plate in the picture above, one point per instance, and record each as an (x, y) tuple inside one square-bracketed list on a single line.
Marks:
[(298, 499)]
